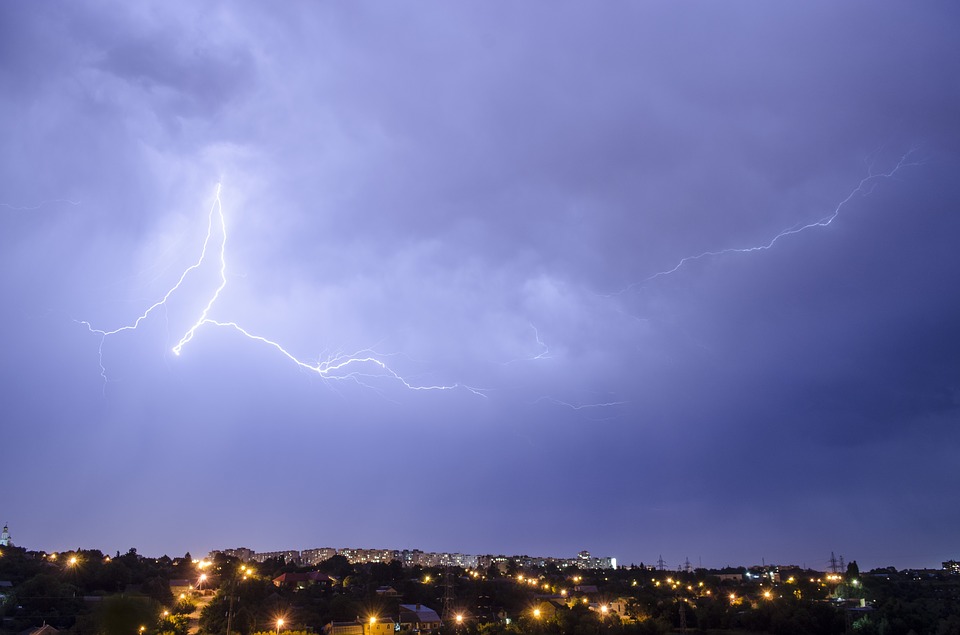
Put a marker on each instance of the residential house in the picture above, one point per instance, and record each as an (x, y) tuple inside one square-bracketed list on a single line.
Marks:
[(303, 580), (417, 618)]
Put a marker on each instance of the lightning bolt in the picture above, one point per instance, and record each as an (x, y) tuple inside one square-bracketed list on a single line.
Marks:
[(32, 208), (543, 354), (358, 367), (864, 187), (583, 406)]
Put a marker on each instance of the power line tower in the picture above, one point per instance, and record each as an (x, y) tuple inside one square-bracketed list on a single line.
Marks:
[(833, 563), (661, 565), (448, 599)]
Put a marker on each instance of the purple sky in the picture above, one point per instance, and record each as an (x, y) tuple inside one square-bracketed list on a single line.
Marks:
[(483, 194)]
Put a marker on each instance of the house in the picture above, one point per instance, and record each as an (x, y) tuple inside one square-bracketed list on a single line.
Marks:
[(387, 592), (303, 580), (547, 608), (181, 587), (417, 618), (728, 577), (343, 628), (373, 626)]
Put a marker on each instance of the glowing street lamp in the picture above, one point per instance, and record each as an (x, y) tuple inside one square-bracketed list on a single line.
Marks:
[(279, 624), (459, 619), (536, 613)]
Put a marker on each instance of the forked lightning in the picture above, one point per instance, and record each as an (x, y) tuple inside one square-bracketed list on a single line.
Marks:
[(359, 367)]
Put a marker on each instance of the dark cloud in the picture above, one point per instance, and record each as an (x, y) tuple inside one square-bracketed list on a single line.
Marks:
[(484, 195)]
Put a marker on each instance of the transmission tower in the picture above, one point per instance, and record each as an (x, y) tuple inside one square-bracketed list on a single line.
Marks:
[(447, 596)]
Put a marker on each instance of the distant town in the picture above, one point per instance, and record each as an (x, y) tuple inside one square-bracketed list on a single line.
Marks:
[(359, 591), (414, 557)]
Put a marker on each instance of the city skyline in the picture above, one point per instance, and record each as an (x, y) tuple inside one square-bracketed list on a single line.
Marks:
[(411, 556), (488, 277)]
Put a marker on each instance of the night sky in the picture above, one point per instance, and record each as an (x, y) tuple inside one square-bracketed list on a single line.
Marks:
[(683, 278)]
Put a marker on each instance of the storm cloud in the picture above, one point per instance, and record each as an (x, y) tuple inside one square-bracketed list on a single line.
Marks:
[(555, 205)]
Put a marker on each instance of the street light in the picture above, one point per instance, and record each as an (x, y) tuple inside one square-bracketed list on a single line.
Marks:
[(279, 624)]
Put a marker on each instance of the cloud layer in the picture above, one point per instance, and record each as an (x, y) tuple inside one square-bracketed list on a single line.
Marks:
[(484, 194)]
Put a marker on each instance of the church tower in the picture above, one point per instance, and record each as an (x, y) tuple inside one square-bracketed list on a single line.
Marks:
[(5, 537)]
